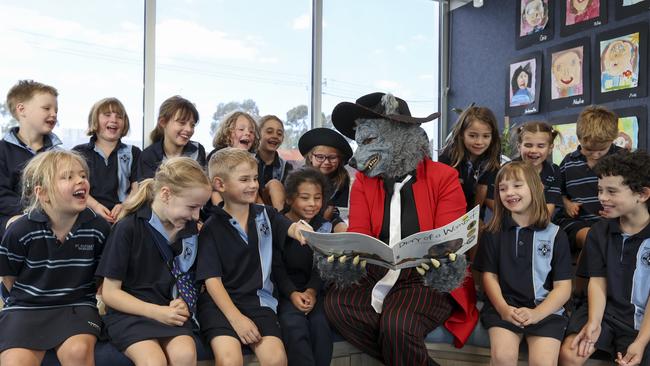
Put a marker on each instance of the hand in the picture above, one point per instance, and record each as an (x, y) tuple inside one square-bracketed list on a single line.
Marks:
[(510, 315), (180, 304), (572, 208), (586, 339), (171, 315), (246, 330), (295, 230), (116, 211), (102, 211), (301, 301), (528, 316), (435, 264), (633, 355)]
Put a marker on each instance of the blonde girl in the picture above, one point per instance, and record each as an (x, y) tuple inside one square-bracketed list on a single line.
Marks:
[(48, 259), (148, 266), (526, 271)]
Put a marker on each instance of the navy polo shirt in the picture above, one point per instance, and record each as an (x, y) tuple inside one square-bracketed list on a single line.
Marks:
[(470, 174), (226, 251), (131, 256), (624, 260), (278, 167), (580, 184), (154, 154), (550, 176), (509, 254), (50, 273), (14, 155), (104, 182)]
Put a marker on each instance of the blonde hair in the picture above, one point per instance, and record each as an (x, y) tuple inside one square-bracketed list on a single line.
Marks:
[(596, 124), (25, 90), (178, 174), (227, 126), (339, 177), (224, 161), (111, 105), (168, 110), (522, 171), (42, 171)]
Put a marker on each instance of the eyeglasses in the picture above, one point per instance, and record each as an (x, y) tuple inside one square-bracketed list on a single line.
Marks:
[(322, 157)]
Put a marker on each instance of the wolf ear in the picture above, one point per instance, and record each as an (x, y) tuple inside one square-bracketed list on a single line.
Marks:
[(390, 104)]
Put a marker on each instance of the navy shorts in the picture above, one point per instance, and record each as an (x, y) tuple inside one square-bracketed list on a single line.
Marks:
[(553, 326)]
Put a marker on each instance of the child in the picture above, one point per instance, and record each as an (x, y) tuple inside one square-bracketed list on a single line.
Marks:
[(616, 256), (328, 151), (596, 129), (474, 149), (305, 328), (148, 266), (526, 265), (236, 247), (34, 106), (48, 259), (271, 168), (112, 163), (177, 118), (535, 144), (238, 129)]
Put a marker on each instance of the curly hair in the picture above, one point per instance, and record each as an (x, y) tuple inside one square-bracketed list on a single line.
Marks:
[(632, 166), (302, 175), (227, 126)]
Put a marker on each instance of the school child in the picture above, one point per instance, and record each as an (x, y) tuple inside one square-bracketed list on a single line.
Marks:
[(305, 329), (148, 266), (526, 271), (474, 150), (596, 129), (237, 248), (239, 130), (535, 144), (48, 259), (617, 265), (111, 162), (177, 118), (329, 152), (272, 169), (34, 106)]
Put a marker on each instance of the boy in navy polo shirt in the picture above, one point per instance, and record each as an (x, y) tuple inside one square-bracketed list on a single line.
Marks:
[(235, 256), (34, 106), (617, 258)]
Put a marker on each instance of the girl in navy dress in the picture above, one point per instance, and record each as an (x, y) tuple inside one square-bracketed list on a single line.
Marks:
[(148, 266), (48, 259), (526, 266)]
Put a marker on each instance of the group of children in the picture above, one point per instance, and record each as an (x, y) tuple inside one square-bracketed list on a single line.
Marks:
[(256, 283)]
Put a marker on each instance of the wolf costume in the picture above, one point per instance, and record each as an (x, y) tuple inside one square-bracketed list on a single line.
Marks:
[(387, 314)]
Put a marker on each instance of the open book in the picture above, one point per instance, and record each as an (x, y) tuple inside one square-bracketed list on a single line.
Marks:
[(456, 237)]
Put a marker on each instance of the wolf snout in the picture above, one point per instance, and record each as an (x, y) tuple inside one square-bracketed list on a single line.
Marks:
[(353, 162)]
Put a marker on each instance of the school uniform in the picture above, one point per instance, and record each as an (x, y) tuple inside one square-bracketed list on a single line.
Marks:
[(53, 297), (110, 176), (307, 338), (624, 261), (132, 256), (154, 154), (527, 261), (14, 155), (579, 184), (243, 260), (550, 176), (470, 174), (278, 169), (341, 195)]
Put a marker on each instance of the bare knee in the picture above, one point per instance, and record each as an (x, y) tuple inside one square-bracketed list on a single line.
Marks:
[(569, 357), (229, 359), (14, 357), (503, 356), (77, 352), (273, 359), (182, 357)]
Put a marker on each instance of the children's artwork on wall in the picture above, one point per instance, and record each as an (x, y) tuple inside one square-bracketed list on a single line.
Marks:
[(621, 69), (535, 22), (567, 140), (579, 15), (627, 8), (632, 127), (567, 80), (523, 85)]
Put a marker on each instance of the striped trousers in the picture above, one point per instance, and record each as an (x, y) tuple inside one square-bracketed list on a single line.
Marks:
[(396, 336)]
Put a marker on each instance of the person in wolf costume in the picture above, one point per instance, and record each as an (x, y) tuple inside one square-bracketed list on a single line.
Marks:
[(398, 191)]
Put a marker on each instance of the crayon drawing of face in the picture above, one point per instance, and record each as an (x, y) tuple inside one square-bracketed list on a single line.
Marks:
[(533, 16), (566, 69), (619, 63), (579, 6), (618, 57)]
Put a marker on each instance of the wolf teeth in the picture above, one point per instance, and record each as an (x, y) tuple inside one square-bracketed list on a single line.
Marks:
[(372, 162)]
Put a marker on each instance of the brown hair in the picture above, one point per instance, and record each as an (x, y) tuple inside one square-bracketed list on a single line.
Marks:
[(268, 117), (25, 90), (169, 109), (455, 147), (227, 126), (596, 124), (339, 177), (224, 161), (520, 170), (111, 105), (534, 127)]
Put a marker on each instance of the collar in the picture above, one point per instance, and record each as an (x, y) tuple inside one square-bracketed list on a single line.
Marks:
[(577, 154), (49, 140), (509, 224), (275, 163), (159, 150), (146, 214), (614, 227), (40, 216), (93, 141)]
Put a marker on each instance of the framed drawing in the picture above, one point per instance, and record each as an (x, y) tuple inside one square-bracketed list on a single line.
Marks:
[(621, 69), (579, 15), (523, 85), (566, 81), (534, 23), (632, 128), (627, 8), (567, 140)]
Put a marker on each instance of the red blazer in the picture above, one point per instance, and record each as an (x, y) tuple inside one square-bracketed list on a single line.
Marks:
[(439, 200)]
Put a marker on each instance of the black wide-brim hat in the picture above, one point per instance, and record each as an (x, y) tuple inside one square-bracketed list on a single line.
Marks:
[(371, 106), (326, 137)]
